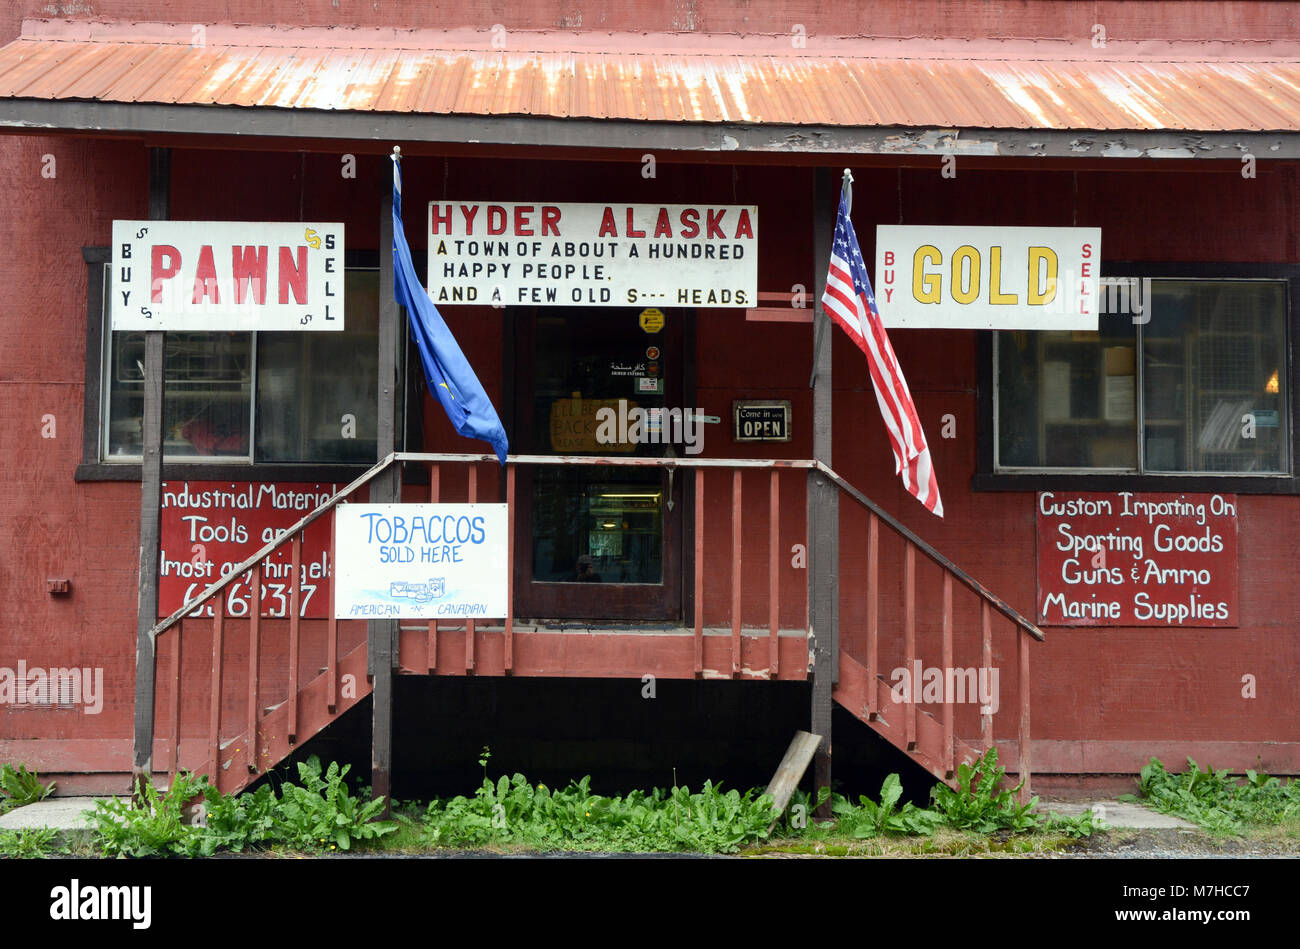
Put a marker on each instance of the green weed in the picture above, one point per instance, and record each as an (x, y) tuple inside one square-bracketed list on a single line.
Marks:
[(513, 811), (1216, 801), (318, 815), (872, 820), (156, 827), (980, 802), (321, 814), (19, 787), (30, 842)]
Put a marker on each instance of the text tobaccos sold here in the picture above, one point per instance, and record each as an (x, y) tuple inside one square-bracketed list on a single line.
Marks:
[(426, 561)]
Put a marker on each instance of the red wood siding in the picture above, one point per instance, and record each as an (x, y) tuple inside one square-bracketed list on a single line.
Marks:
[(1093, 688)]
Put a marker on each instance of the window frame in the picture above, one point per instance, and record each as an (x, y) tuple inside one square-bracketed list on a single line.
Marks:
[(987, 478), (93, 468)]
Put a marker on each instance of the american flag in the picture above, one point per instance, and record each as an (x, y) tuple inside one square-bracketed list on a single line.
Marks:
[(851, 304)]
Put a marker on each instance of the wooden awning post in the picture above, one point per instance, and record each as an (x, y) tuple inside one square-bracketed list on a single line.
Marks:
[(823, 502), (155, 349), (386, 488)]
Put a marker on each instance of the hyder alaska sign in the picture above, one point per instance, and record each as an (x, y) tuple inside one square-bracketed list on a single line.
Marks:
[(226, 275), (509, 254), (1034, 278)]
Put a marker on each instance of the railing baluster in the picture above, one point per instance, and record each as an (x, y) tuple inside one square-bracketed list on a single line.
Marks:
[(873, 617), (735, 572), (254, 646), (176, 703), (332, 633), (699, 572), (435, 491), (469, 623), (946, 756), (510, 570), (294, 596), (218, 667), (774, 576), (986, 655), (1026, 771), (909, 641)]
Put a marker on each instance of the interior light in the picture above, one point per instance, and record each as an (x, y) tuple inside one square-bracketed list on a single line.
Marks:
[(655, 495), (1271, 386)]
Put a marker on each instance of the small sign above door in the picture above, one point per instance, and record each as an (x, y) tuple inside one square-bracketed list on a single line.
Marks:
[(762, 421)]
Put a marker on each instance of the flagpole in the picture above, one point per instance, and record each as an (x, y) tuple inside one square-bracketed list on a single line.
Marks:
[(819, 334)]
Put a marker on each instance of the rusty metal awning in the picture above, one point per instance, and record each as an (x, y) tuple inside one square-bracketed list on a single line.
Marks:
[(700, 79)]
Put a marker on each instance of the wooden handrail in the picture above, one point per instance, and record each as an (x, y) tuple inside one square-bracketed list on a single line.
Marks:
[(434, 457), (218, 585), (974, 585), (612, 461), (734, 463)]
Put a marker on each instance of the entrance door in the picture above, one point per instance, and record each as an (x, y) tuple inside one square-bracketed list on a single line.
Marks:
[(598, 542)]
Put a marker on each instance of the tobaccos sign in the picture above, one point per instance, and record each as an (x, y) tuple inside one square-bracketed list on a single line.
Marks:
[(226, 275), (426, 561), (1128, 559), (593, 254), (1035, 278)]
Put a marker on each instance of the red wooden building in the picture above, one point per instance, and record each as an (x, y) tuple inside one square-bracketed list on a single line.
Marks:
[(1171, 127)]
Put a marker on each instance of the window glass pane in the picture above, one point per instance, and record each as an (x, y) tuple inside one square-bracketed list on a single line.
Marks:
[(1068, 399), (308, 382), (1215, 376), (205, 402), (601, 525)]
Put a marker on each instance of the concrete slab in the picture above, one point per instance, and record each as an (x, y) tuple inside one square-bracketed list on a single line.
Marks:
[(58, 813), (1118, 815)]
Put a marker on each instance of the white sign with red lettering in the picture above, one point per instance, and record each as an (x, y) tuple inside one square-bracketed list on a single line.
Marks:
[(226, 275), (1034, 278), (537, 254)]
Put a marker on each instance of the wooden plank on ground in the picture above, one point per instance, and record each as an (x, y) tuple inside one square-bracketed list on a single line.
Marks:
[(791, 770)]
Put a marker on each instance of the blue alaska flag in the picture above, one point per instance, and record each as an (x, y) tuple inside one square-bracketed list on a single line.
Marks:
[(450, 377)]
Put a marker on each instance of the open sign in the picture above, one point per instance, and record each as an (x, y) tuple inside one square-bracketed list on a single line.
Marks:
[(766, 421)]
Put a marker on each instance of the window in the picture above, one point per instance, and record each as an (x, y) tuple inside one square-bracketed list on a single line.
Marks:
[(1185, 376), (246, 398)]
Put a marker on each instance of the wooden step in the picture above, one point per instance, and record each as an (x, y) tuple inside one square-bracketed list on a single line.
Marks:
[(240, 763), (852, 692)]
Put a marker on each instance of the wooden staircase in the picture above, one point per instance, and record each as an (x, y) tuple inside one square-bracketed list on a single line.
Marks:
[(265, 734), (930, 746), (862, 688), (241, 760)]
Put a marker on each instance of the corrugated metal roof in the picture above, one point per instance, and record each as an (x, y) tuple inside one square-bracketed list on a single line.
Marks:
[(986, 85)]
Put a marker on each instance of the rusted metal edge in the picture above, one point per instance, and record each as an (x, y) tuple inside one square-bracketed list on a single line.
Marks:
[(38, 116)]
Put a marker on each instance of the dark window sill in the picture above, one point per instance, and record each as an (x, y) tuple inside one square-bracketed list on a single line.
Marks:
[(337, 474), (1151, 484)]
